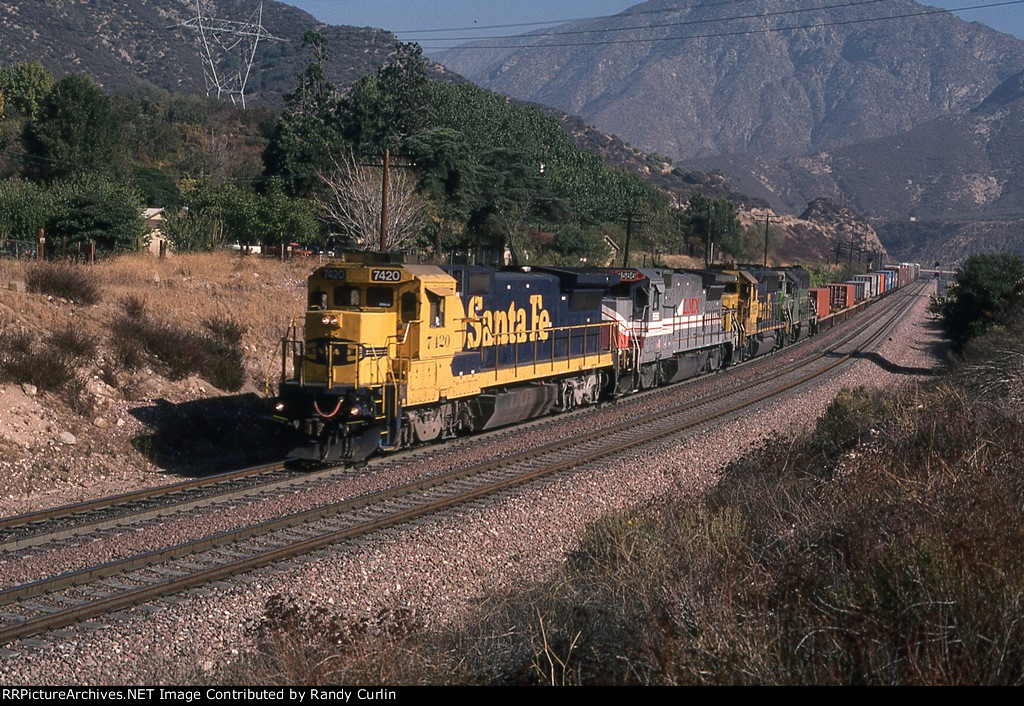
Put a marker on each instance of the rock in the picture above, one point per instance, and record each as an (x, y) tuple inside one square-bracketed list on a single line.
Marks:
[(100, 423), (66, 437), (98, 388), (30, 390)]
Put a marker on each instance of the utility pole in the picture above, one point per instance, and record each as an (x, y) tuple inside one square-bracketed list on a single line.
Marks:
[(384, 203), (385, 187), (767, 218), (709, 255), (631, 220), (629, 235)]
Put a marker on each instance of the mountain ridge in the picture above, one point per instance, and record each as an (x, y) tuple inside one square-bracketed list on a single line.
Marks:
[(823, 86)]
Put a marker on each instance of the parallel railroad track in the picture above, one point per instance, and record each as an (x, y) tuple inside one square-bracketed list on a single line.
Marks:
[(42, 605)]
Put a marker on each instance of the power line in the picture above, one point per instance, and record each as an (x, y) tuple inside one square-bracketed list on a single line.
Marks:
[(735, 33), (684, 23), (542, 23), (635, 13)]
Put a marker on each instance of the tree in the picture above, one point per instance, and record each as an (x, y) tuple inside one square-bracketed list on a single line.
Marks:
[(24, 209), (99, 209), (282, 220), (349, 200), (575, 245), (383, 109), (215, 215), (308, 129), (987, 288), (24, 87), (723, 217), (450, 178), (76, 130)]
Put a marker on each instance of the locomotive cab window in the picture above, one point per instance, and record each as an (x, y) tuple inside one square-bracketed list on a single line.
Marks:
[(409, 305), (436, 310), (640, 302), (383, 297), (347, 296), (318, 299)]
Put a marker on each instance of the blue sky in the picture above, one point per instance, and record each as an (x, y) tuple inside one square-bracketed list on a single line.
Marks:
[(409, 18)]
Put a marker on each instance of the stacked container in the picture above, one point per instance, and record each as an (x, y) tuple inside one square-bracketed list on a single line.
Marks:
[(860, 290), (821, 301), (843, 296)]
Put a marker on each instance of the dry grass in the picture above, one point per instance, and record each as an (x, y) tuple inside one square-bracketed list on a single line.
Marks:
[(296, 644), (238, 307)]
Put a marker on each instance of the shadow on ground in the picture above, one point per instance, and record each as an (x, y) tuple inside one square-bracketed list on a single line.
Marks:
[(937, 348), (212, 435)]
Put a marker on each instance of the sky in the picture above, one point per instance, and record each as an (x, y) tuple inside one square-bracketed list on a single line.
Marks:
[(410, 19)]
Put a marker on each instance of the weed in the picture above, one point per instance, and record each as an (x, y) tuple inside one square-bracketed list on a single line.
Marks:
[(216, 353), (77, 284), (313, 645), (73, 342)]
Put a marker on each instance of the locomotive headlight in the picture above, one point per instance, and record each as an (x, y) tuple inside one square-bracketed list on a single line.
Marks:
[(355, 411), (279, 406), (329, 320)]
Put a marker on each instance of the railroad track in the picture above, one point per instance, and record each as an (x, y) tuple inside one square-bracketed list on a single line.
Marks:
[(43, 605)]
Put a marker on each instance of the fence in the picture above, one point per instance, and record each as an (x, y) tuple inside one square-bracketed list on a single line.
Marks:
[(64, 251), (19, 249)]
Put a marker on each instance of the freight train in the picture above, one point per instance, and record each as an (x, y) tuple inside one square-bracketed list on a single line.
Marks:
[(394, 353)]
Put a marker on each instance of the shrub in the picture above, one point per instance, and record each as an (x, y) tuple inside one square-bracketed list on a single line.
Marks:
[(986, 287), (73, 342), (850, 416), (215, 353), (50, 365), (65, 281)]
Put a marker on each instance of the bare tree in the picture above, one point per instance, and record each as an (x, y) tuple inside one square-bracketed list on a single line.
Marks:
[(350, 200)]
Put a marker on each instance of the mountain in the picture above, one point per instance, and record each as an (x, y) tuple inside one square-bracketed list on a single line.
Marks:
[(959, 166), (946, 188), (740, 86), (124, 43)]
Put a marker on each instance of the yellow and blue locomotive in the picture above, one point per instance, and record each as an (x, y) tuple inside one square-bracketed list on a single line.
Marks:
[(395, 353)]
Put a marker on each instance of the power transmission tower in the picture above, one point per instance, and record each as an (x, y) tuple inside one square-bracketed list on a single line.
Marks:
[(228, 48)]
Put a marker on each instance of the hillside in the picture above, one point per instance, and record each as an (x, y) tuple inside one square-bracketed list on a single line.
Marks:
[(131, 42), (940, 191), (767, 92), (959, 166), (101, 417)]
